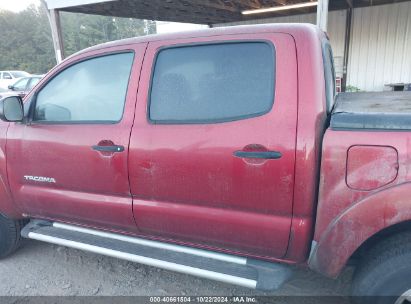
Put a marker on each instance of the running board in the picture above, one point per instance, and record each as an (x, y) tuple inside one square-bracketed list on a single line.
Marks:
[(202, 263)]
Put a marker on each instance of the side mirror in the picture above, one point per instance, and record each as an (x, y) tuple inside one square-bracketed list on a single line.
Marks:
[(11, 109), (11, 87)]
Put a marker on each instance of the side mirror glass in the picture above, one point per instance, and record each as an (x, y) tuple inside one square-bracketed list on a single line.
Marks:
[(11, 87), (11, 109)]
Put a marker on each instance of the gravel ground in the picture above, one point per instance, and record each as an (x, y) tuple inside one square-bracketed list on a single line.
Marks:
[(40, 269)]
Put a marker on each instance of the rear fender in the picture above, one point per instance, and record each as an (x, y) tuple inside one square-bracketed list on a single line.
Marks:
[(357, 224)]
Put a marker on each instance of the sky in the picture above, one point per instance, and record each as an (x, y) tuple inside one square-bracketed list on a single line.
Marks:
[(16, 5)]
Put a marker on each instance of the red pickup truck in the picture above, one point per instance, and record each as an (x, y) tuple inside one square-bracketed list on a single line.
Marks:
[(220, 153)]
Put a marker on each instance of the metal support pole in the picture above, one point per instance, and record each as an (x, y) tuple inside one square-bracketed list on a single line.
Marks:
[(322, 14), (55, 26), (347, 41)]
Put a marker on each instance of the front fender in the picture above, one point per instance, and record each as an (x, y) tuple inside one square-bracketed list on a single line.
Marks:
[(7, 206), (357, 224)]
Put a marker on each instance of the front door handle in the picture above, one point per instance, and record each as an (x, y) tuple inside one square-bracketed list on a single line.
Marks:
[(112, 149), (258, 154)]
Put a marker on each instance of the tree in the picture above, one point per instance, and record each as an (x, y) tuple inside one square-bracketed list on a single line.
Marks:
[(26, 42), (81, 31)]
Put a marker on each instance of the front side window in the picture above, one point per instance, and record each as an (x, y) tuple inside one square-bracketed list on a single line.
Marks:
[(212, 83), (6, 75), (86, 91)]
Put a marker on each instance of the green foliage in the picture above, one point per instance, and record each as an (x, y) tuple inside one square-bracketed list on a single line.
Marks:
[(352, 89), (81, 31), (26, 43)]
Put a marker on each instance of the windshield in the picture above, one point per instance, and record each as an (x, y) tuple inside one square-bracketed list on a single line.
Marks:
[(21, 84), (18, 74)]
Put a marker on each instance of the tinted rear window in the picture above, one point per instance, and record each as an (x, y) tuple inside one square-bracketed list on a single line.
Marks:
[(212, 83)]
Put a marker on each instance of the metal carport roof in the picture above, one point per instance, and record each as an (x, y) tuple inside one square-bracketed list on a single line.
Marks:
[(195, 11)]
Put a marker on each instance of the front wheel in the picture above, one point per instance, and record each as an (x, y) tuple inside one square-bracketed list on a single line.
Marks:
[(9, 235), (384, 274)]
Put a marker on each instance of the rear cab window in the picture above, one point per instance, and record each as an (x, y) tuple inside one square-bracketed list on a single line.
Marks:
[(211, 83)]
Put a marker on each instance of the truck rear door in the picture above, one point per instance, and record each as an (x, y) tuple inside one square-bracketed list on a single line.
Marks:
[(212, 148)]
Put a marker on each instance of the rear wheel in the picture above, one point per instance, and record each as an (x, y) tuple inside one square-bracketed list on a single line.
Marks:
[(9, 235), (384, 274)]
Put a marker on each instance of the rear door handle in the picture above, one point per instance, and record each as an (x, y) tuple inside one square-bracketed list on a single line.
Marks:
[(114, 148), (258, 154)]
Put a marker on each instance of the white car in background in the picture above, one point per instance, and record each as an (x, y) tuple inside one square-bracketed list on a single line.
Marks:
[(9, 77)]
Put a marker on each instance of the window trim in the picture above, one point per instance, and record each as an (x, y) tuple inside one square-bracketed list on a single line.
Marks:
[(327, 49), (210, 121), (33, 100)]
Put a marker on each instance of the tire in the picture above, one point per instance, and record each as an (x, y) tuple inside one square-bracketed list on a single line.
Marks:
[(9, 235), (384, 273)]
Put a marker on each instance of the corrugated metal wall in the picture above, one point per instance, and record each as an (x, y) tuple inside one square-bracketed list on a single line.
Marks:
[(380, 51), (380, 48), (336, 30)]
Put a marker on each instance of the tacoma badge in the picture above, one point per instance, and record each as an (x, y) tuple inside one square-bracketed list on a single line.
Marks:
[(40, 179)]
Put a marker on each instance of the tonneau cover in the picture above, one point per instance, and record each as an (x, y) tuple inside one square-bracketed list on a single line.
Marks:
[(374, 110)]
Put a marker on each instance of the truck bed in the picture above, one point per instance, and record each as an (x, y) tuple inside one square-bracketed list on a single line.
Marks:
[(374, 110)]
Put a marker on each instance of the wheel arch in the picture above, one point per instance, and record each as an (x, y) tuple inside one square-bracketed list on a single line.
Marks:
[(360, 226), (380, 236)]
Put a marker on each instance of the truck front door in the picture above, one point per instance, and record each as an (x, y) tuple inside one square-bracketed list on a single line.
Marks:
[(212, 149), (70, 161)]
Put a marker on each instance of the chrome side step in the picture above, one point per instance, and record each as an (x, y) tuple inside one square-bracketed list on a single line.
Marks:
[(155, 244), (202, 263)]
